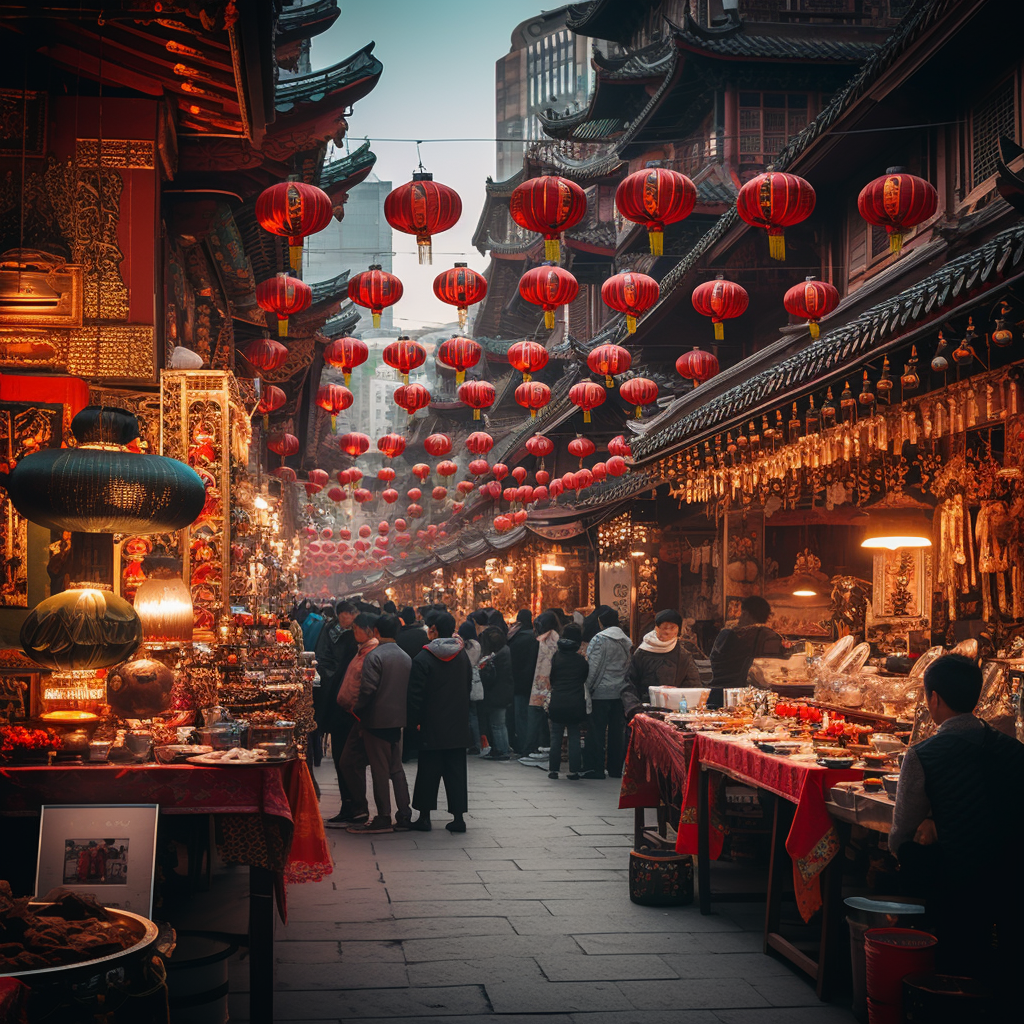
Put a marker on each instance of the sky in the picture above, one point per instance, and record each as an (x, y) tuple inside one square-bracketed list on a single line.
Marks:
[(438, 83)]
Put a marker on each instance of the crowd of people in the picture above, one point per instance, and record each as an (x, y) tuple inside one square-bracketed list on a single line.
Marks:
[(410, 683)]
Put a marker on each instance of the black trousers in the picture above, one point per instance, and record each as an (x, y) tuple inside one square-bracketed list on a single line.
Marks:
[(435, 765), (606, 716), (340, 728)]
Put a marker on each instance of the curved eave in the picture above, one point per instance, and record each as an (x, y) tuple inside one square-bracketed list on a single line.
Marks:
[(346, 82), (342, 322), (612, 20), (312, 19), (331, 290), (344, 174)]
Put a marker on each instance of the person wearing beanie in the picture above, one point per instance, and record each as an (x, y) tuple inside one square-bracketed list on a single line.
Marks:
[(522, 647), (568, 706), (735, 649), (412, 637), (660, 660), (608, 655)]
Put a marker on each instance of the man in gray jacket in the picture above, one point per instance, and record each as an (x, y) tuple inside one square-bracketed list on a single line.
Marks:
[(608, 657), (381, 710)]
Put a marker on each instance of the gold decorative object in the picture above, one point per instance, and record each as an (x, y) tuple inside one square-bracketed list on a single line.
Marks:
[(124, 154), (113, 351), (38, 289)]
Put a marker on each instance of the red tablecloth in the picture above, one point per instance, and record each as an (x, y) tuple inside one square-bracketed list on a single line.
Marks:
[(267, 815), (812, 841), (656, 751)]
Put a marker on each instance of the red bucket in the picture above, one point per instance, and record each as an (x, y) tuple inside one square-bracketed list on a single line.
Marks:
[(891, 954)]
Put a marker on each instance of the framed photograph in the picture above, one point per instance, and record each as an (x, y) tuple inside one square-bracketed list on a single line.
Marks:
[(108, 852), (900, 585)]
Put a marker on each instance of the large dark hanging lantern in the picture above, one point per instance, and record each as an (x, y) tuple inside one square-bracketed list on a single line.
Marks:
[(100, 487)]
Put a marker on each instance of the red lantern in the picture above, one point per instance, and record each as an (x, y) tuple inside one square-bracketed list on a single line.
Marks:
[(543, 476), (271, 399), (479, 467), (897, 202), (421, 471), (374, 289), (312, 489), (346, 354), (811, 301), (355, 475), (477, 394), (697, 366), (392, 445), (386, 475), (390, 495), (587, 395), (533, 395), (479, 443), (283, 444), (337, 494), (569, 481), (293, 209), (655, 196), (609, 360), (502, 523), (619, 445), (499, 470), (548, 287), (354, 444), (555, 488), (509, 494), (318, 477), (616, 466), (459, 354), (283, 295), (422, 207), (630, 293), (464, 486), (285, 474), (383, 527), (528, 357), (460, 287), (720, 300), (447, 468), (437, 445), (414, 511), (265, 354), (362, 495), (539, 445), (775, 200), (581, 447), (412, 398), (400, 524), (333, 398), (439, 493), (599, 470), (582, 480), (548, 205), (404, 355), (519, 474), (414, 494), (639, 391)]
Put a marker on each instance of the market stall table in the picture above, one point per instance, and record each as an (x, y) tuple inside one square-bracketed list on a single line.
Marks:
[(801, 829), (267, 814)]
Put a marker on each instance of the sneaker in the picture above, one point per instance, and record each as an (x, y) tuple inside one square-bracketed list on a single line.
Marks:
[(540, 755), (554, 775), (456, 826), (374, 825), (574, 777), (419, 825), (345, 818), (499, 757), (529, 761), (403, 825), (485, 752), (544, 750), (592, 775)]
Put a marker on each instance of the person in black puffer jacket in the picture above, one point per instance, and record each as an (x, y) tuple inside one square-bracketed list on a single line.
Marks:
[(496, 675), (523, 646), (568, 706)]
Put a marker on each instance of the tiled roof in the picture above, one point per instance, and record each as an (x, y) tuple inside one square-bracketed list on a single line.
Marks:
[(302, 21), (342, 322), (332, 288), (837, 352), (359, 162), (615, 20), (358, 74)]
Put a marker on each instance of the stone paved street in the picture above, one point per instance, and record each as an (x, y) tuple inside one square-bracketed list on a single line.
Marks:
[(527, 913)]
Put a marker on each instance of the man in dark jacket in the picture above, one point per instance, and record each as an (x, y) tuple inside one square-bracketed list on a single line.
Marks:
[(568, 707), (660, 660), (523, 647), (377, 740), (412, 637), (735, 649), (496, 676), (439, 686), (335, 649)]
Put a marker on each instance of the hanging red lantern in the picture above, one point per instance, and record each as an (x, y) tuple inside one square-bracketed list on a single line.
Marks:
[(414, 494), (499, 470), (421, 471), (569, 481), (345, 534), (630, 293), (362, 495), (548, 287), (581, 447), (460, 287), (509, 494), (392, 445), (619, 445), (346, 354), (587, 395), (354, 474), (312, 489), (582, 479), (283, 295), (459, 354), (519, 474), (439, 493), (383, 527), (811, 301), (539, 445), (354, 444), (404, 355), (271, 399), (479, 443), (502, 523), (616, 466), (479, 467), (412, 398), (390, 495), (283, 444), (337, 494), (639, 391), (897, 201), (533, 395), (265, 354), (414, 511), (477, 394), (374, 289), (720, 300), (464, 486), (609, 360), (333, 398), (540, 493), (318, 477), (775, 200), (542, 476), (599, 470), (422, 207), (548, 205), (697, 366), (447, 468), (438, 445), (528, 357), (293, 210), (285, 474), (655, 196), (386, 474), (555, 488)]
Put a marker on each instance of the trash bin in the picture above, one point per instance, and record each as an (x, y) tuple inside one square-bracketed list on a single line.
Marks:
[(865, 912), (890, 954), (660, 878), (197, 979)]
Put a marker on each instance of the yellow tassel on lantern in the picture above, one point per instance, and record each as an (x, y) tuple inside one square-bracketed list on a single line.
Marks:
[(376, 319), (552, 250), (657, 238), (549, 318), (460, 376), (348, 377), (425, 252), (527, 377), (719, 330), (586, 415), (639, 411), (631, 323), (266, 422), (295, 256), (334, 423), (609, 382), (895, 241), (814, 329), (476, 414), (463, 317), (533, 414), (405, 378), (777, 245), (282, 327)]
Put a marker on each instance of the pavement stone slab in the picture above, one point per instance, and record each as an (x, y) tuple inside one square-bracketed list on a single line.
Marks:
[(581, 967), (544, 997), (702, 994)]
